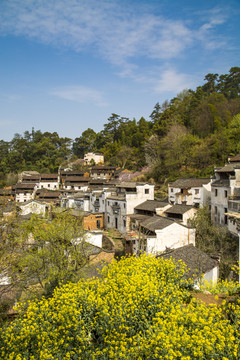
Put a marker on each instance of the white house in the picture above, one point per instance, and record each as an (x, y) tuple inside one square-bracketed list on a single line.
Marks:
[(158, 233), (225, 194), (181, 213), (34, 207), (77, 183), (96, 157), (79, 201), (49, 181), (122, 203), (25, 192), (200, 266), (195, 192)]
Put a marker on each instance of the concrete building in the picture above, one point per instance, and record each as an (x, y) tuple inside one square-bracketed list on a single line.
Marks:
[(225, 194), (157, 233), (181, 213), (195, 192), (25, 192), (120, 204), (49, 182)]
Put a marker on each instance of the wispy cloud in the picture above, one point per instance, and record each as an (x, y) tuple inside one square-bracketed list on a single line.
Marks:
[(172, 81), (80, 94), (117, 32), (122, 34)]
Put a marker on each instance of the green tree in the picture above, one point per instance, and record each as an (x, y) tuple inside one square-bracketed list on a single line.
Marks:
[(85, 143), (47, 253), (124, 154), (215, 240)]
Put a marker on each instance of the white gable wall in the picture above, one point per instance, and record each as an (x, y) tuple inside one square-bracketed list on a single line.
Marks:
[(172, 236), (33, 207)]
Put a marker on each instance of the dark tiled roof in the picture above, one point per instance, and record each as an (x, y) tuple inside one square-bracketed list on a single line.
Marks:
[(156, 223), (127, 184), (98, 182), (227, 168), (72, 173), (196, 260), (178, 209), (151, 205), (138, 216), (35, 177), (49, 176), (189, 183), (21, 186), (75, 179), (234, 158), (221, 182)]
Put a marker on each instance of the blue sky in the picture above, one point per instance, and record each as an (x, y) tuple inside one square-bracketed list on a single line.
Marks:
[(67, 65)]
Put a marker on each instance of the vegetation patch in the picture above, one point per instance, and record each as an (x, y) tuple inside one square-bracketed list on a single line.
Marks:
[(140, 309)]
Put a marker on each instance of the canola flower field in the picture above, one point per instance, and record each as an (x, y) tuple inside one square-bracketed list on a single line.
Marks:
[(141, 309)]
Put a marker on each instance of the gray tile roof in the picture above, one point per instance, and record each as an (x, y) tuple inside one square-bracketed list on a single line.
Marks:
[(221, 182), (178, 209), (75, 179), (227, 168), (189, 183), (234, 158), (151, 205), (21, 186), (127, 184), (156, 223), (197, 261)]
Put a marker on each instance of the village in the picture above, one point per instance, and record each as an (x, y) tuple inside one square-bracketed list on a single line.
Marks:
[(111, 203)]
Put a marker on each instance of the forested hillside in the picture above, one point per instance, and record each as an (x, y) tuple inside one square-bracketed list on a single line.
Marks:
[(185, 136)]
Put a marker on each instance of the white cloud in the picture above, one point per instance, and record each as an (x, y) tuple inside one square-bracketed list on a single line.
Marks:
[(117, 31), (80, 94), (121, 33), (171, 81)]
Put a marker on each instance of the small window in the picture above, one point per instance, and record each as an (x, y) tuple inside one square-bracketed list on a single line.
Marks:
[(124, 205), (146, 191), (196, 191), (215, 209), (48, 185), (108, 219), (216, 192), (225, 193), (98, 224), (171, 189), (124, 222)]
